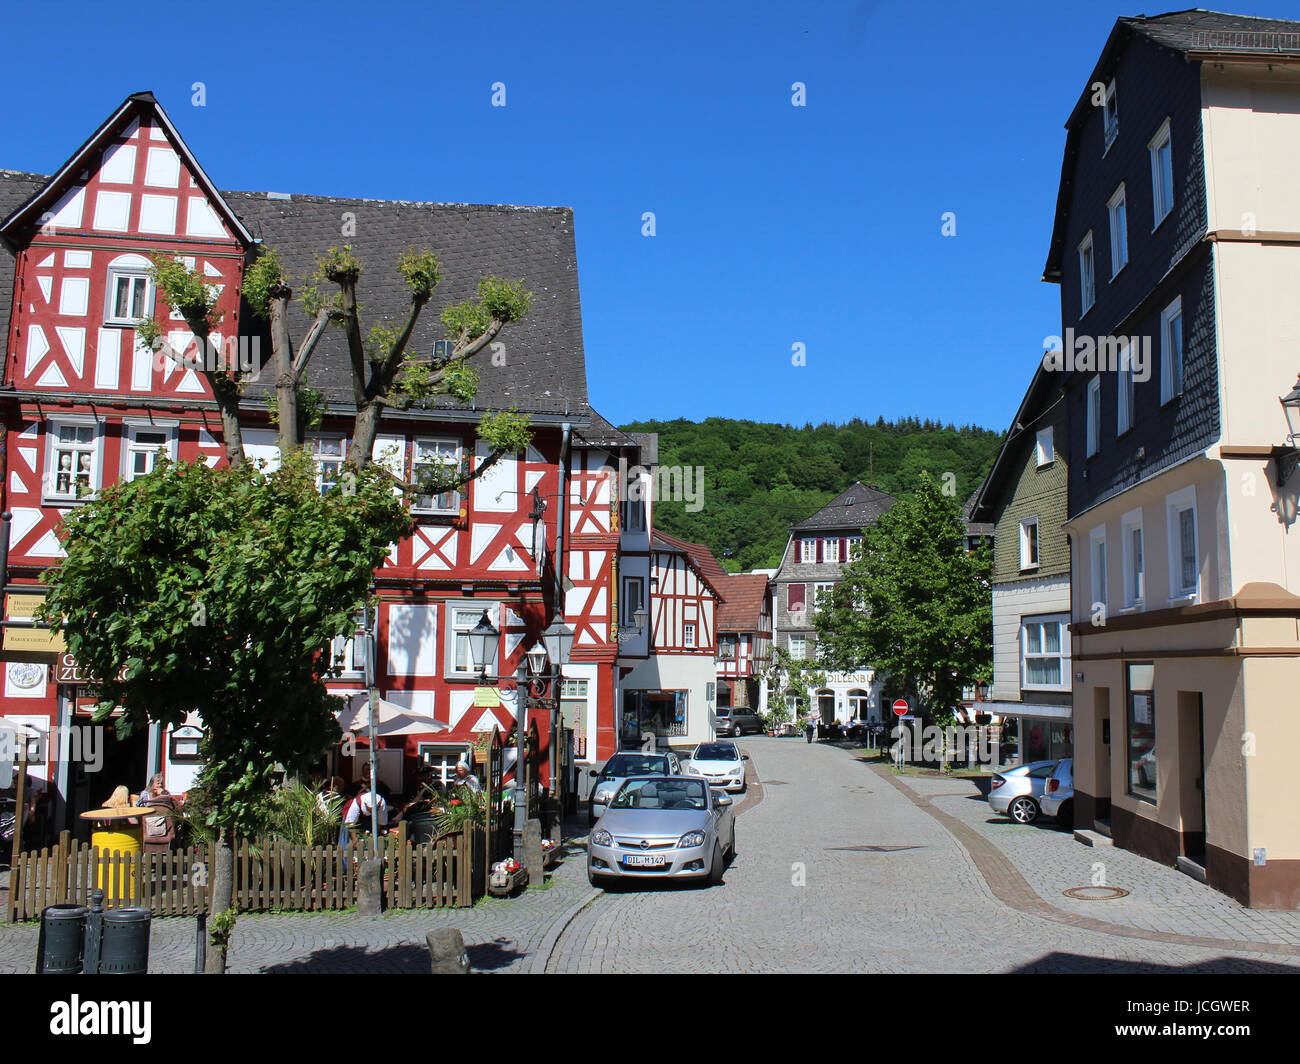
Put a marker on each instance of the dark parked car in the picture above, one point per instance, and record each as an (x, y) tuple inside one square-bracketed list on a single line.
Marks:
[(736, 721)]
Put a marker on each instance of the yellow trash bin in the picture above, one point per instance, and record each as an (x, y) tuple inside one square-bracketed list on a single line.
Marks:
[(118, 831)]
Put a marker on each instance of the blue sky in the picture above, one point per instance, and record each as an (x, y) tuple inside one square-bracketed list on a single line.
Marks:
[(775, 224)]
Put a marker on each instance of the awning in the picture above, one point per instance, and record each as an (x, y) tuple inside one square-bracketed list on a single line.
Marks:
[(393, 719), (1029, 709)]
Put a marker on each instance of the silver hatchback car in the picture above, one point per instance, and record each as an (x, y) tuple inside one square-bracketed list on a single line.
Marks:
[(1018, 792), (669, 827)]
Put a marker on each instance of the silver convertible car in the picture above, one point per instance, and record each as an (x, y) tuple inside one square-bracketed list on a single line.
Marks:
[(673, 827)]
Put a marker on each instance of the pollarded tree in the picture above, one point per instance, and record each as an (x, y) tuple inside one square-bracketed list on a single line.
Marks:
[(914, 603), (385, 371), (215, 590)]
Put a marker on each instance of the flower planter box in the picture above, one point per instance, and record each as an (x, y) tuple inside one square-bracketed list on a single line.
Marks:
[(514, 882)]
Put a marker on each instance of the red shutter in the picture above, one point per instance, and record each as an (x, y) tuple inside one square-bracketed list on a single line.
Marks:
[(821, 549), (794, 597)]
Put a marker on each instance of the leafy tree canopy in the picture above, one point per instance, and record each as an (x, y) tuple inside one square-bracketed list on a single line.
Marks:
[(760, 478), (914, 603), (214, 590)]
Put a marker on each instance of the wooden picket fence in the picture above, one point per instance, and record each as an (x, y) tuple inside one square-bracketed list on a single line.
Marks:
[(269, 875)]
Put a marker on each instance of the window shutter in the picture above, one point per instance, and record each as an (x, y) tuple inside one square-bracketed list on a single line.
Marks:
[(794, 597)]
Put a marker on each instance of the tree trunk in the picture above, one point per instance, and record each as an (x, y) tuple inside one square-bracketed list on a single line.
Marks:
[(223, 889), (364, 430), (286, 387)]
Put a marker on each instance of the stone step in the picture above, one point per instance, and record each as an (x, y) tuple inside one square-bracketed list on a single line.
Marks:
[(1092, 838), (1102, 826), (1191, 868)]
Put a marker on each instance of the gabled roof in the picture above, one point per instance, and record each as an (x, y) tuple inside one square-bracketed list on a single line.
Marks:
[(542, 365), (1196, 34), (973, 527), (742, 611), (700, 557), (601, 433), (1039, 397), (138, 105), (855, 509)]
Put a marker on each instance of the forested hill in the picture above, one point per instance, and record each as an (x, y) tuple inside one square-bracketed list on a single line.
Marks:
[(761, 478)]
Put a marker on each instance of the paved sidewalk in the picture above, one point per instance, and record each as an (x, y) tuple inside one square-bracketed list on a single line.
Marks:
[(1161, 900), (501, 935)]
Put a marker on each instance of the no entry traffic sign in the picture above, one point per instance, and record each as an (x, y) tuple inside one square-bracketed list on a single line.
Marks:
[(900, 707)]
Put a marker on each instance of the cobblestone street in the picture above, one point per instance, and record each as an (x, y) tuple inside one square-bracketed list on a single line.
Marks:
[(841, 867)]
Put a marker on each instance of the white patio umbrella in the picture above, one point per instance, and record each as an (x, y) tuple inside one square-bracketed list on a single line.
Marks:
[(393, 719)]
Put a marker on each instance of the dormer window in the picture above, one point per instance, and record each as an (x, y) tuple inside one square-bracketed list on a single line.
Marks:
[(1110, 109), (849, 500)]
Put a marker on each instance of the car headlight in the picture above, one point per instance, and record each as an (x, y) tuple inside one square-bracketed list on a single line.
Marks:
[(602, 838), (690, 840)]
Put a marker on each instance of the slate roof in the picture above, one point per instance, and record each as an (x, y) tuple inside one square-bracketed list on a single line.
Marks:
[(545, 368), (1195, 33), (974, 528), (742, 610), (601, 433), (868, 506), (16, 188)]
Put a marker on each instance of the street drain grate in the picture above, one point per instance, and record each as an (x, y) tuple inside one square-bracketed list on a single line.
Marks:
[(776, 783), (874, 849), (1095, 893)]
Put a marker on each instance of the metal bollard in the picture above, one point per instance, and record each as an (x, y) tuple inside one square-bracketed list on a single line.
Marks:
[(201, 944), (124, 949), (94, 933), (58, 951)]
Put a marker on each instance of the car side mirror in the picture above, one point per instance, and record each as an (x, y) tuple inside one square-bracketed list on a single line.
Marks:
[(723, 800)]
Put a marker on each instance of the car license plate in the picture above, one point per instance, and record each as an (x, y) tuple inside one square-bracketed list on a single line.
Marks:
[(642, 860)]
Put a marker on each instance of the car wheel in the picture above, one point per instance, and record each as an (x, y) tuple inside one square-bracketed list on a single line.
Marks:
[(1023, 811), (718, 867), (1065, 815), (735, 731)]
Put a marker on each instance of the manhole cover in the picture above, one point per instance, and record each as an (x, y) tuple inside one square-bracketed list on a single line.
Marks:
[(1095, 893), (874, 849)]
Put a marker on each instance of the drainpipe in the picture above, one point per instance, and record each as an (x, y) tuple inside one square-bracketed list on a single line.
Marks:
[(562, 518)]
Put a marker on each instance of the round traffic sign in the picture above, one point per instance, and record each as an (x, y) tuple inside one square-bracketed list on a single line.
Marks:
[(900, 707)]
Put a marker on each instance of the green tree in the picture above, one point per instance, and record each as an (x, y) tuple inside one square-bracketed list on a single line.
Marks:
[(216, 590), (790, 677), (914, 604)]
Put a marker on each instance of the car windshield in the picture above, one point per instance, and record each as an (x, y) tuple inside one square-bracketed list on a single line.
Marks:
[(636, 764), (674, 793), (715, 752)]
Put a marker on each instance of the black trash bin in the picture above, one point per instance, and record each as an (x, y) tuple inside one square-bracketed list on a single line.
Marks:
[(124, 948), (63, 929)]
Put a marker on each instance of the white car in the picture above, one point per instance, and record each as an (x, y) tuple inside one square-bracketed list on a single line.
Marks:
[(721, 763), (1058, 795)]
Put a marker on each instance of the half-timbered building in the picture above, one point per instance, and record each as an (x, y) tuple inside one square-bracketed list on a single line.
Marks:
[(84, 403)]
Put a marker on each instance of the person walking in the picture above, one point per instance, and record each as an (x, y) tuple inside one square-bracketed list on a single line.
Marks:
[(809, 728)]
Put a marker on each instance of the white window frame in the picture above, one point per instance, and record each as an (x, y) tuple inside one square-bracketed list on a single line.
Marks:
[(349, 654), (1125, 390), (1045, 447), (801, 652), (1094, 416), (688, 635), (319, 460), (1177, 504), (1097, 572), (1168, 354), (441, 758), (133, 268), (1041, 622), (1162, 199), (1117, 209), (1109, 117), (817, 589), (131, 445), (829, 547), (1134, 596), (807, 551), (95, 448), (1087, 274), (1026, 540), (854, 542), (453, 497), (475, 608)]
